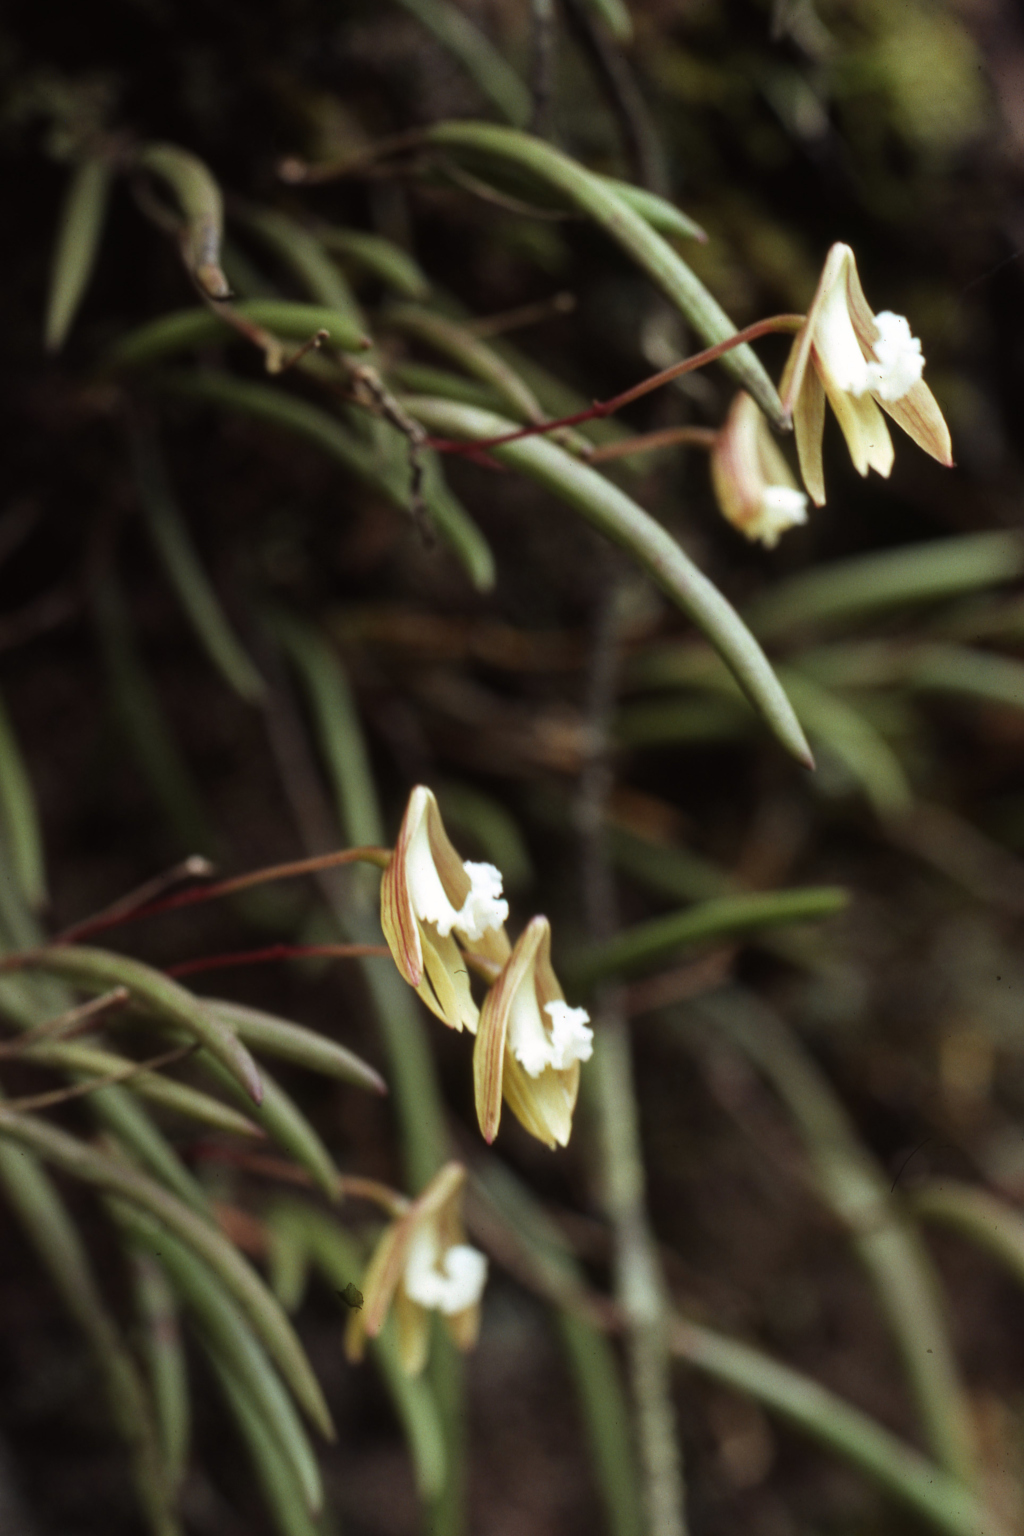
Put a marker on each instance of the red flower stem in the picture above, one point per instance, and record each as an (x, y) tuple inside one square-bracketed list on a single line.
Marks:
[(116, 916), (351, 1186), (668, 437), (276, 952), (602, 408)]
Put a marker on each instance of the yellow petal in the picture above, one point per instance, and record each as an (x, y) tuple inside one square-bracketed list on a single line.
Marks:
[(489, 1054), (448, 994), (397, 919), (867, 436), (543, 1105), (464, 1327), (919, 416), (809, 427), (449, 866), (383, 1274), (797, 364), (412, 1326), (443, 1192)]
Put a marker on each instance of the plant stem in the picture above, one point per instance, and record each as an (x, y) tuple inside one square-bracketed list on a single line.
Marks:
[(639, 1284)]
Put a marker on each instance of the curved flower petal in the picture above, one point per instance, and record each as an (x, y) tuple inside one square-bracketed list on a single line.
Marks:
[(863, 425), (530, 1044), (809, 428), (919, 416)]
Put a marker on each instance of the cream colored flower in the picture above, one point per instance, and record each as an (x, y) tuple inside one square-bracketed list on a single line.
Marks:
[(431, 903), (753, 483), (530, 1044), (422, 1264), (860, 361)]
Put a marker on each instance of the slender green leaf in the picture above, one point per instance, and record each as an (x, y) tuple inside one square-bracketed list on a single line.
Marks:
[(78, 243), (616, 17), (857, 1191), (391, 477), (21, 831), (497, 80), (623, 224), (619, 518), (114, 1177), (273, 1472), (284, 1123), (164, 1354), (170, 535), (271, 1036), (54, 1236), (304, 253), (117, 1111), (660, 214), (202, 208), (142, 720), (719, 920), (866, 586), (471, 353), (228, 1336), (381, 258), (837, 726), (978, 675), (424, 378), (976, 1214), (936, 1497), (595, 1370), (184, 329), (99, 969), (88, 1061)]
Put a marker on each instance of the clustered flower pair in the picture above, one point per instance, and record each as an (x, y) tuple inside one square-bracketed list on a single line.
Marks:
[(440, 916), (863, 364)]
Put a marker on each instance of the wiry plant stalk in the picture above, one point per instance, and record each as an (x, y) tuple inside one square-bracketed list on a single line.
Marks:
[(639, 1283)]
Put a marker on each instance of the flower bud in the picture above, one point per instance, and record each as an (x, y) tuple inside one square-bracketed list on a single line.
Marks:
[(753, 484)]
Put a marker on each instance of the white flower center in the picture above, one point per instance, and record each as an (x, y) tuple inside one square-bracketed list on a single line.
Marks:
[(481, 909), (899, 361), (448, 1282), (571, 1040), (782, 507), (537, 1045), (837, 346)]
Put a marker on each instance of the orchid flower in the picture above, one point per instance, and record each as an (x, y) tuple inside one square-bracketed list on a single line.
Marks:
[(530, 1044), (422, 1264), (431, 903), (860, 361)]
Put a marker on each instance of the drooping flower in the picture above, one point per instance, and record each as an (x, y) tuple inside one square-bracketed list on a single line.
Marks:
[(422, 1264), (860, 361), (530, 1044), (431, 903), (753, 483)]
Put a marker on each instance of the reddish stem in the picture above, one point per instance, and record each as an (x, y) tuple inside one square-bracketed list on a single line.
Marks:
[(116, 916), (668, 437), (602, 408), (276, 952)]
